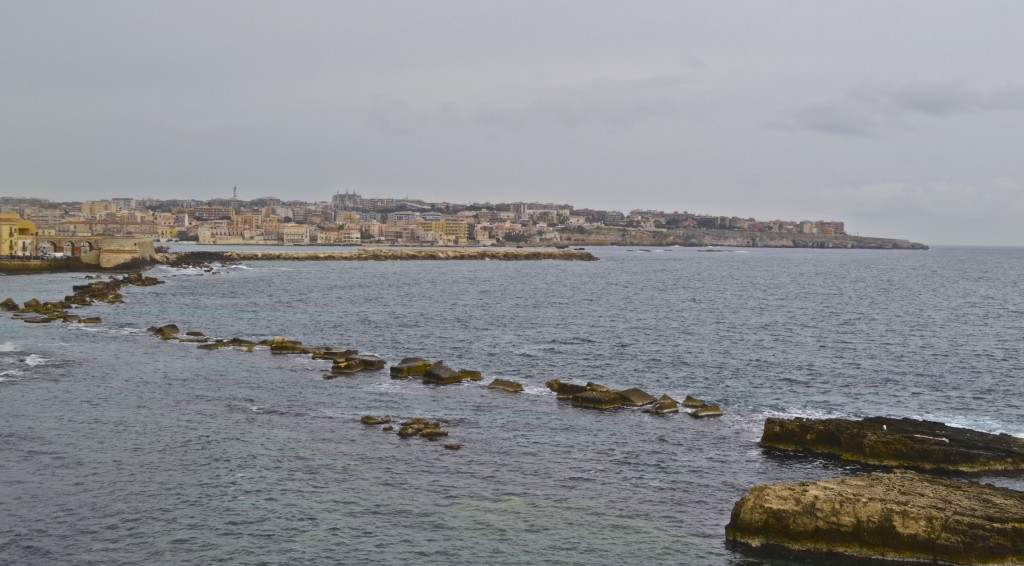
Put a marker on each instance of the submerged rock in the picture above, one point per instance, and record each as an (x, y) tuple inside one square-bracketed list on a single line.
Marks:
[(433, 432), (372, 420), (505, 385), (898, 442), (899, 516), (347, 366), (216, 344)]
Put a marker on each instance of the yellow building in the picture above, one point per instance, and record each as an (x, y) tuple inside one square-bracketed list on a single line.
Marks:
[(17, 236), (454, 231), (97, 208)]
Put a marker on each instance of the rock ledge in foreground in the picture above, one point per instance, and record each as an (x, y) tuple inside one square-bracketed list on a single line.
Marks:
[(892, 516), (893, 442)]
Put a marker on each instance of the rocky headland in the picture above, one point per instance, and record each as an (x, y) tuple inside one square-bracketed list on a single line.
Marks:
[(700, 237), (906, 443), (903, 516)]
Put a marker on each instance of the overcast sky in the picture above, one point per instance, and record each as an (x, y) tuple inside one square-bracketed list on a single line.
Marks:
[(902, 118)]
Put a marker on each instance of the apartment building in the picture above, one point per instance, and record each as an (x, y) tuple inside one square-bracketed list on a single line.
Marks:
[(17, 235)]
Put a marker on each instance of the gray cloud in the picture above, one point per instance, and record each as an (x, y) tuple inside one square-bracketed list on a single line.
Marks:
[(870, 110), (655, 104)]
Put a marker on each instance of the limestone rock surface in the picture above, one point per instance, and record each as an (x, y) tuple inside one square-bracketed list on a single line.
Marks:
[(506, 385), (898, 442), (895, 516)]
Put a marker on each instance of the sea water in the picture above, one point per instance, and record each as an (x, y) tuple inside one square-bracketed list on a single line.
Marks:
[(121, 448)]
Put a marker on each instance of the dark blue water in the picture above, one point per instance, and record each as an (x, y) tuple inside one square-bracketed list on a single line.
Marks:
[(121, 448)]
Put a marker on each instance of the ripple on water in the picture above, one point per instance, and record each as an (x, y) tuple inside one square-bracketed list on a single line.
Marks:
[(147, 450)]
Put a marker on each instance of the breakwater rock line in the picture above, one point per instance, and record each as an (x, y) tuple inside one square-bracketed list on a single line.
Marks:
[(206, 257), (901, 516), (909, 443)]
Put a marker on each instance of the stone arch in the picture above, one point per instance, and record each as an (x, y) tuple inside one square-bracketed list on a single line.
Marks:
[(46, 247), (68, 248), (86, 247)]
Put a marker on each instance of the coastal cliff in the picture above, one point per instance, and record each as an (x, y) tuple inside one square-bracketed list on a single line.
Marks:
[(377, 254), (699, 237)]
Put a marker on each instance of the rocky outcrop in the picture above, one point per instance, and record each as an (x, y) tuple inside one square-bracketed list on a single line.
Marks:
[(423, 428), (898, 442), (470, 374), (564, 390), (506, 385), (165, 332), (410, 367), (693, 402), (285, 346), (899, 516), (440, 374), (596, 396), (333, 354), (369, 362), (712, 410), (9, 305), (663, 406), (372, 420), (636, 397), (699, 237), (595, 399)]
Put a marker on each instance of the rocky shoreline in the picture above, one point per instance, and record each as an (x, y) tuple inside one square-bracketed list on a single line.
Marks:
[(904, 443), (902, 516)]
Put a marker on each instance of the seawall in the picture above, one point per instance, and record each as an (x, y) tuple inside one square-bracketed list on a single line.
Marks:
[(377, 254)]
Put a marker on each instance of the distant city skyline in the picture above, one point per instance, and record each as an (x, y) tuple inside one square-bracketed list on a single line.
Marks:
[(904, 120)]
